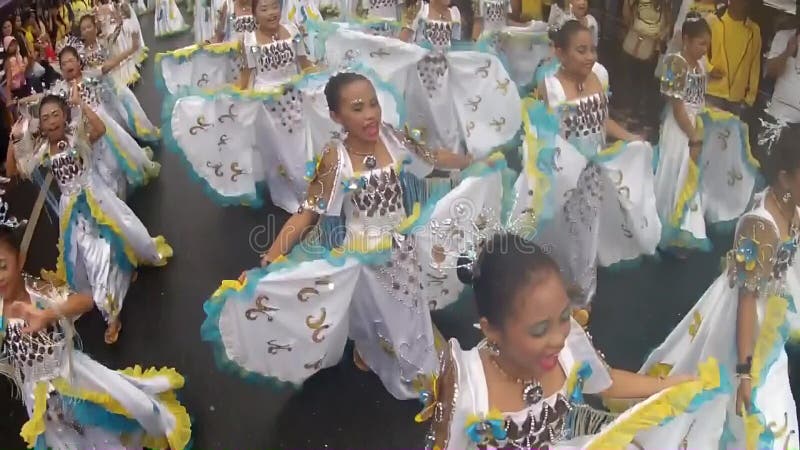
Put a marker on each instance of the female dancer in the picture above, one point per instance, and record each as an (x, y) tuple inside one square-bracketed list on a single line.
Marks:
[(128, 71), (95, 56), (746, 315), (723, 190), (73, 401), (522, 45), (101, 240), (523, 386), (369, 287), (279, 124), (169, 20), (236, 19), (118, 158), (595, 205)]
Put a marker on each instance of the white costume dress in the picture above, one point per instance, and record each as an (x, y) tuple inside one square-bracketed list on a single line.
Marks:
[(305, 306), (128, 71), (785, 103), (169, 19), (594, 205), (101, 240), (521, 48), (117, 158), (461, 416), (457, 99), (75, 402), (277, 127), (760, 262), (720, 189), (206, 19)]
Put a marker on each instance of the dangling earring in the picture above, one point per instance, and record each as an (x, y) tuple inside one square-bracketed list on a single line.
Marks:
[(493, 348), (787, 197)]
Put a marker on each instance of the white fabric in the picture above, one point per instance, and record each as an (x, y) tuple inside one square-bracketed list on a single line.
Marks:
[(709, 330), (785, 104), (204, 70), (275, 62), (268, 141), (168, 17), (456, 98)]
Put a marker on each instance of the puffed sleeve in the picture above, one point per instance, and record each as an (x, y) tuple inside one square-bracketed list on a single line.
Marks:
[(675, 76), (455, 19), (251, 50), (752, 261), (324, 193)]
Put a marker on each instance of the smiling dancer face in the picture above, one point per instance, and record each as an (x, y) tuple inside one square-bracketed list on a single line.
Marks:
[(70, 63), (354, 105), (88, 29), (575, 49), (267, 14), (53, 116), (525, 311)]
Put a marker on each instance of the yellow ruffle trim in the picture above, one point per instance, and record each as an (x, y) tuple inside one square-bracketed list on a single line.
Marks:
[(688, 191), (774, 317), (720, 115), (103, 399), (540, 180), (61, 266), (186, 52), (615, 148), (175, 379), (409, 221), (670, 402), (164, 250), (181, 433), (122, 153), (100, 216), (35, 425)]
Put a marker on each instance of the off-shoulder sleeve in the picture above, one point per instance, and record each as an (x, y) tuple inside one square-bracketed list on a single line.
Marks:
[(323, 191), (751, 262), (675, 76)]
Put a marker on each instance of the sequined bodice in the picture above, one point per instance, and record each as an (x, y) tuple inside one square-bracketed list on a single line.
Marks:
[(94, 57), (69, 170), (696, 89), (583, 123), (375, 204), (35, 357), (384, 9), (277, 62), (438, 33), (243, 24), (536, 431), (494, 16)]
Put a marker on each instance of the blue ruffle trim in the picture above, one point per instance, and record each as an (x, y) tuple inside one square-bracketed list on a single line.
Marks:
[(119, 258), (209, 330), (92, 415)]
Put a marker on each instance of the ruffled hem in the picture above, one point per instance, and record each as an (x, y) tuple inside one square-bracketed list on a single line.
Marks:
[(365, 253), (183, 54), (664, 407)]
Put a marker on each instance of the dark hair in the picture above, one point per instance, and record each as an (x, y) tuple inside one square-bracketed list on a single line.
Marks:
[(254, 5), (68, 50), (783, 155), (562, 37), (58, 100), (12, 236), (694, 26), (507, 263), (333, 90)]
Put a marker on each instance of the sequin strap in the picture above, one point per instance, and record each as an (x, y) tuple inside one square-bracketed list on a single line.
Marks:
[(322, 184), (754, 255), (674, 78), (411, 139)]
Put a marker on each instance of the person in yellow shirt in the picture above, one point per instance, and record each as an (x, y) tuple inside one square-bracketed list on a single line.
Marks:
[(527, 10), (734, 58)]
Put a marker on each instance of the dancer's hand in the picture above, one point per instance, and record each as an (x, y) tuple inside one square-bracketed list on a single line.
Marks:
[(35, 319), (265, 260), (743, 396), (717, 73), (75, 94)]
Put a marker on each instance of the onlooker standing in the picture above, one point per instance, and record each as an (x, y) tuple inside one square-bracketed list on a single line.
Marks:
[(784, 66), (16, 67), (648, 23), (735, 59)]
